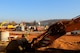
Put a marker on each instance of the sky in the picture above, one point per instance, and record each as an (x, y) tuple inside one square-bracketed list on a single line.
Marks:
[(37, 10)]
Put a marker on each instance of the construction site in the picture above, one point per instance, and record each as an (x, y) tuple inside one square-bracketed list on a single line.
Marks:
[(60, 37)]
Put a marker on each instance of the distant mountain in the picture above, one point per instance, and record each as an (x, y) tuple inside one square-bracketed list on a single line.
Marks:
[(52, 21), (45, 22)]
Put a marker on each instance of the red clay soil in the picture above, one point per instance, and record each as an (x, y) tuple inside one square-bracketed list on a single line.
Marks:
[(32, 35), (73, 26)]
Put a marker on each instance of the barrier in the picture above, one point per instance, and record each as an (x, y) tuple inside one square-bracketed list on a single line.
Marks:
[(4, 35)]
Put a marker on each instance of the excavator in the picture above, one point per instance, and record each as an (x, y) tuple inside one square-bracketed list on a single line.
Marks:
[(1, 24), (8, 26), (56, 30)]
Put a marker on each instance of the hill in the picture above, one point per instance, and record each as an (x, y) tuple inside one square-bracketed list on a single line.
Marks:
[(52, 21)]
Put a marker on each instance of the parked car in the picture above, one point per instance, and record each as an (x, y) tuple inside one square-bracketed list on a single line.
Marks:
[(75, 32)]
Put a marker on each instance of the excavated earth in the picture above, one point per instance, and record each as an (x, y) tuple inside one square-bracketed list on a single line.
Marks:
[(67, 42)]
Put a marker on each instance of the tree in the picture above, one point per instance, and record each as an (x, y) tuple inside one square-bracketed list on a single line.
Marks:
[(34, 22), (13, 23)]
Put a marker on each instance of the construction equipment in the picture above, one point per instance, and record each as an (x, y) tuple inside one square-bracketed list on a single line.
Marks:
[(57, 29), (6, 26), (1, 25), (10, 26)]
